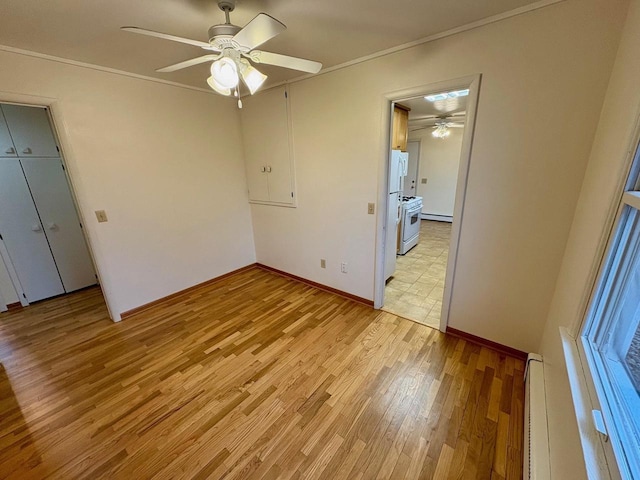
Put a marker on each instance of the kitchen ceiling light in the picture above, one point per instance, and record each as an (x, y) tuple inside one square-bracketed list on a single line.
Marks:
[(441, 131), (446, 95), (217, 87), (225, 72), (252, 78)]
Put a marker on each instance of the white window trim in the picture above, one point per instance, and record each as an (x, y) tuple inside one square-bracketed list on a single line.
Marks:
[(602, 391), (599, 456), (587, 389), (595, 456)]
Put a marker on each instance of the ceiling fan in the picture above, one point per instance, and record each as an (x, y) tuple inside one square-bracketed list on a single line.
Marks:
[(441, 128), (441, 124), (231, 50)]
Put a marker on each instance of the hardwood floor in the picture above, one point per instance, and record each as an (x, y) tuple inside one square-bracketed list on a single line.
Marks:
[(256, 376)]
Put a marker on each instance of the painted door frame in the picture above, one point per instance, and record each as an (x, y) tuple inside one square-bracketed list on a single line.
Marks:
[(60, 131), (473, 83)]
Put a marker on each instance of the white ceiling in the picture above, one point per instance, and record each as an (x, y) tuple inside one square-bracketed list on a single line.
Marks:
[(424, 113), (423, 108), (329, 31)]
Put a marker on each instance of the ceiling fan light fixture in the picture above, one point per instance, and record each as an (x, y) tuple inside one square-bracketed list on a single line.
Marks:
[(441, 131), (225, 72), (227, 44), (252, 77), (217, 87)]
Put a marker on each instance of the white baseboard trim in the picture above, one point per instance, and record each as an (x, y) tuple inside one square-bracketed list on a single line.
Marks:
[(437, 218)]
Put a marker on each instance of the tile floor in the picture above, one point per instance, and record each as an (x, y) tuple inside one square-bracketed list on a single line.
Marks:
[(415, 290)]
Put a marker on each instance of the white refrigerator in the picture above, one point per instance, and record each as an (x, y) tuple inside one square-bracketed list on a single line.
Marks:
[(397, 171)]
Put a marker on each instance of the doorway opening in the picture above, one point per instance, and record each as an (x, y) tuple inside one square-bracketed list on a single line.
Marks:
[(431, 131), (43, 249)]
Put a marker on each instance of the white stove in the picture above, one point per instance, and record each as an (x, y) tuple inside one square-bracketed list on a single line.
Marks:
[(409, 224)]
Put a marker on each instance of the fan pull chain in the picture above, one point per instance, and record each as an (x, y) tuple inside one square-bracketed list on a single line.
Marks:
[(236, 93)]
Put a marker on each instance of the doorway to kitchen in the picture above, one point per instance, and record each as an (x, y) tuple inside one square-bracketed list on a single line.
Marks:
[(430, 136), (43, 250)]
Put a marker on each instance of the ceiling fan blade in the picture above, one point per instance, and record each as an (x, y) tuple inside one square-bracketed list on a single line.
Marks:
[(166, 36), (188, 63), (286, 61), (262, 28)]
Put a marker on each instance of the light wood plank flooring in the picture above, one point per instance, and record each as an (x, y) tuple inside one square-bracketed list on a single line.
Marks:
[(256, 376)]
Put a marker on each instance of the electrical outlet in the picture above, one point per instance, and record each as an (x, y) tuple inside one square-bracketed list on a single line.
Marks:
[(343, 267), (101, 215), (323, 263), (371, 208), (423, 181)]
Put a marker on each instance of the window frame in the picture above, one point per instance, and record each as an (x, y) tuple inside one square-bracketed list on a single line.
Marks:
[(602, 391)]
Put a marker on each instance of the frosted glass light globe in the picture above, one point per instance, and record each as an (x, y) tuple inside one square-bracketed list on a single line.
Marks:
[(225, 72)]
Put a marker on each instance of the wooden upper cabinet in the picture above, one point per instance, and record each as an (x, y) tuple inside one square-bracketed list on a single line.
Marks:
[(400, 127)]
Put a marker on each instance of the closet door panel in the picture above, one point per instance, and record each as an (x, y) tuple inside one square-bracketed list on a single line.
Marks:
[(265, 133), (54, 202), (30, 130), (24, 237), (7, 148)]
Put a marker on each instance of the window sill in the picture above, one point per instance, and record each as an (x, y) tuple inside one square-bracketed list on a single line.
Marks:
[(594, 454)]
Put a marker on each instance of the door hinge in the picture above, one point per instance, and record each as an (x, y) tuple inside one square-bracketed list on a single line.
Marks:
[(598, 423), (58, 148), (291, 194), (62, 164), (286, 95), (1, 237), (80, 224), (25, 297)]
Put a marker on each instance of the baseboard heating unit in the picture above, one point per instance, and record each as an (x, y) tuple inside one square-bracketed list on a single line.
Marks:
[(536, 433)]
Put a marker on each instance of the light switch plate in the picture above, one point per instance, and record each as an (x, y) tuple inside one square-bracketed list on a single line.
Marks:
[(101, 215), (371, 208), (424, 181), (323, 263)]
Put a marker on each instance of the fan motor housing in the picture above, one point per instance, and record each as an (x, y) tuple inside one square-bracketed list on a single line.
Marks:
[(225, 29)]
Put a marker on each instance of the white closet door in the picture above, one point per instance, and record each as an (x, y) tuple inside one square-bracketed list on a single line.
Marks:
[(265, 133), (23, 235), (6, 145), (30, 130), (52, 196)]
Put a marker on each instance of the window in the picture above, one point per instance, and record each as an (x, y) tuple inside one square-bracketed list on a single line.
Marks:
[(611, 335)]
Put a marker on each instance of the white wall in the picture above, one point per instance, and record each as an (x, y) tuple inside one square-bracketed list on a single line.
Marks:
[(164, 162), (607, 168), (439, 162), (524, 176)]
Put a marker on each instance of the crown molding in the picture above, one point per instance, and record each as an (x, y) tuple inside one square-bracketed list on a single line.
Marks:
[(431, 38), (100, 68), (470, 26)]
